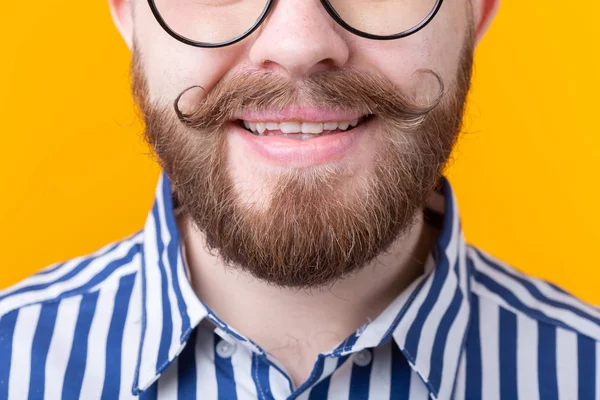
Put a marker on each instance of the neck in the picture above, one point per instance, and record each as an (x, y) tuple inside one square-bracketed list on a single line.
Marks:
[(296, 325)]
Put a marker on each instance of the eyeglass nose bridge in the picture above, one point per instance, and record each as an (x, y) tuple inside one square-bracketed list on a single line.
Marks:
[(269, 6)]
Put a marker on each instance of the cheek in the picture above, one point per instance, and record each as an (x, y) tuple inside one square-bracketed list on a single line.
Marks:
[(437, 47), (172, 66)]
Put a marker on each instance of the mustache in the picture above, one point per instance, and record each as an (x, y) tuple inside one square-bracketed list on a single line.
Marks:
[(341, 90)]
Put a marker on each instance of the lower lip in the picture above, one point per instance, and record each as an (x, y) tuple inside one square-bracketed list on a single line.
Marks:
[(297, 153)]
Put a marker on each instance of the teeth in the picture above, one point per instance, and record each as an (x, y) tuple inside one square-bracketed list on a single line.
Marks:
[(330, 126), (312, 127), (303, 136), (302, 130), (343, 125), (290, 127)]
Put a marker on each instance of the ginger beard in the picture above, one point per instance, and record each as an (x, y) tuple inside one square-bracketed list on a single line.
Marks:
[(316, 225)]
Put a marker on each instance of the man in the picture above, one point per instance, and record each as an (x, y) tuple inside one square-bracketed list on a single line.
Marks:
[(303, 243)]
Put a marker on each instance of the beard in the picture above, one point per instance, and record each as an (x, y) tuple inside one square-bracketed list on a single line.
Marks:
[(314, 225)]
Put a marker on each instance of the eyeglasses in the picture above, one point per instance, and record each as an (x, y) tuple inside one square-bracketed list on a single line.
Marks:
[(218, 23)]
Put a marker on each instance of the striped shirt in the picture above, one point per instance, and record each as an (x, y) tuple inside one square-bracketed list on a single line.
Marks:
[(125, 323)]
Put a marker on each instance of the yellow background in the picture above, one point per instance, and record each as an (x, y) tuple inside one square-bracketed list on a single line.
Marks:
[(75, 173)]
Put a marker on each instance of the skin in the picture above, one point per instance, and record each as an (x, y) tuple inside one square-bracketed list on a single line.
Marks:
[(297, 39)]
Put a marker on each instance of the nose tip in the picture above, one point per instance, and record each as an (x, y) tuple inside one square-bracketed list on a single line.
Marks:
[(299, 38)]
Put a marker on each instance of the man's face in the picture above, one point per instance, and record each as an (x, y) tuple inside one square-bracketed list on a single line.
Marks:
[(293, 209)]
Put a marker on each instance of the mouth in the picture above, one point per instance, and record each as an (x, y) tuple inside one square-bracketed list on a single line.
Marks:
[(296, 142), (300, 130)]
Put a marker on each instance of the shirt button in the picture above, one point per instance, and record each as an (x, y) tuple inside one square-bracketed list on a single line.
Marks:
[(225, 349), (363, 358)]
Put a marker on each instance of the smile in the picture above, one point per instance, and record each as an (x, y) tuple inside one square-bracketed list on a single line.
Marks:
[(300, 130), (294, 142)]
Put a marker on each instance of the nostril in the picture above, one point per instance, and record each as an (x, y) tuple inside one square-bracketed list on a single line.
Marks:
[(298, 69)]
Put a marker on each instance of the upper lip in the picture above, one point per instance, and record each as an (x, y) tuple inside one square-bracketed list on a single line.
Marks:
[(304, 114)]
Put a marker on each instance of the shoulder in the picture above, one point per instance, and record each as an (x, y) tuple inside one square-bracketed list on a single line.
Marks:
[(53, 322), (528, 338), (102, 269), (497, 283)]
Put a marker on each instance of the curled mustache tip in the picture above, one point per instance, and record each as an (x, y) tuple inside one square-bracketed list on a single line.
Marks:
[(440, 81), (183, 117)]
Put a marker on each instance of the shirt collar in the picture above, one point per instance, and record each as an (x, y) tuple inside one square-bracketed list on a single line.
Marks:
[(432, 326), (428, 321), (170, 308)]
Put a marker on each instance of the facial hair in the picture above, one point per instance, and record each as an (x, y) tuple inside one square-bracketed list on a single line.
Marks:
[(317, 226)]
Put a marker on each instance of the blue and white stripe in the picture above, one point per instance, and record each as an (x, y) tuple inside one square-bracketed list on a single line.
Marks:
[(125, 323)]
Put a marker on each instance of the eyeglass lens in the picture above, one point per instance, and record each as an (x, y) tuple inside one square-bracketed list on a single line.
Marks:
[(217, 21)]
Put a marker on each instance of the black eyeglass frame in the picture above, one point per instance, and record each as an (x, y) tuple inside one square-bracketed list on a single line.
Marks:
[(326, 4)]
